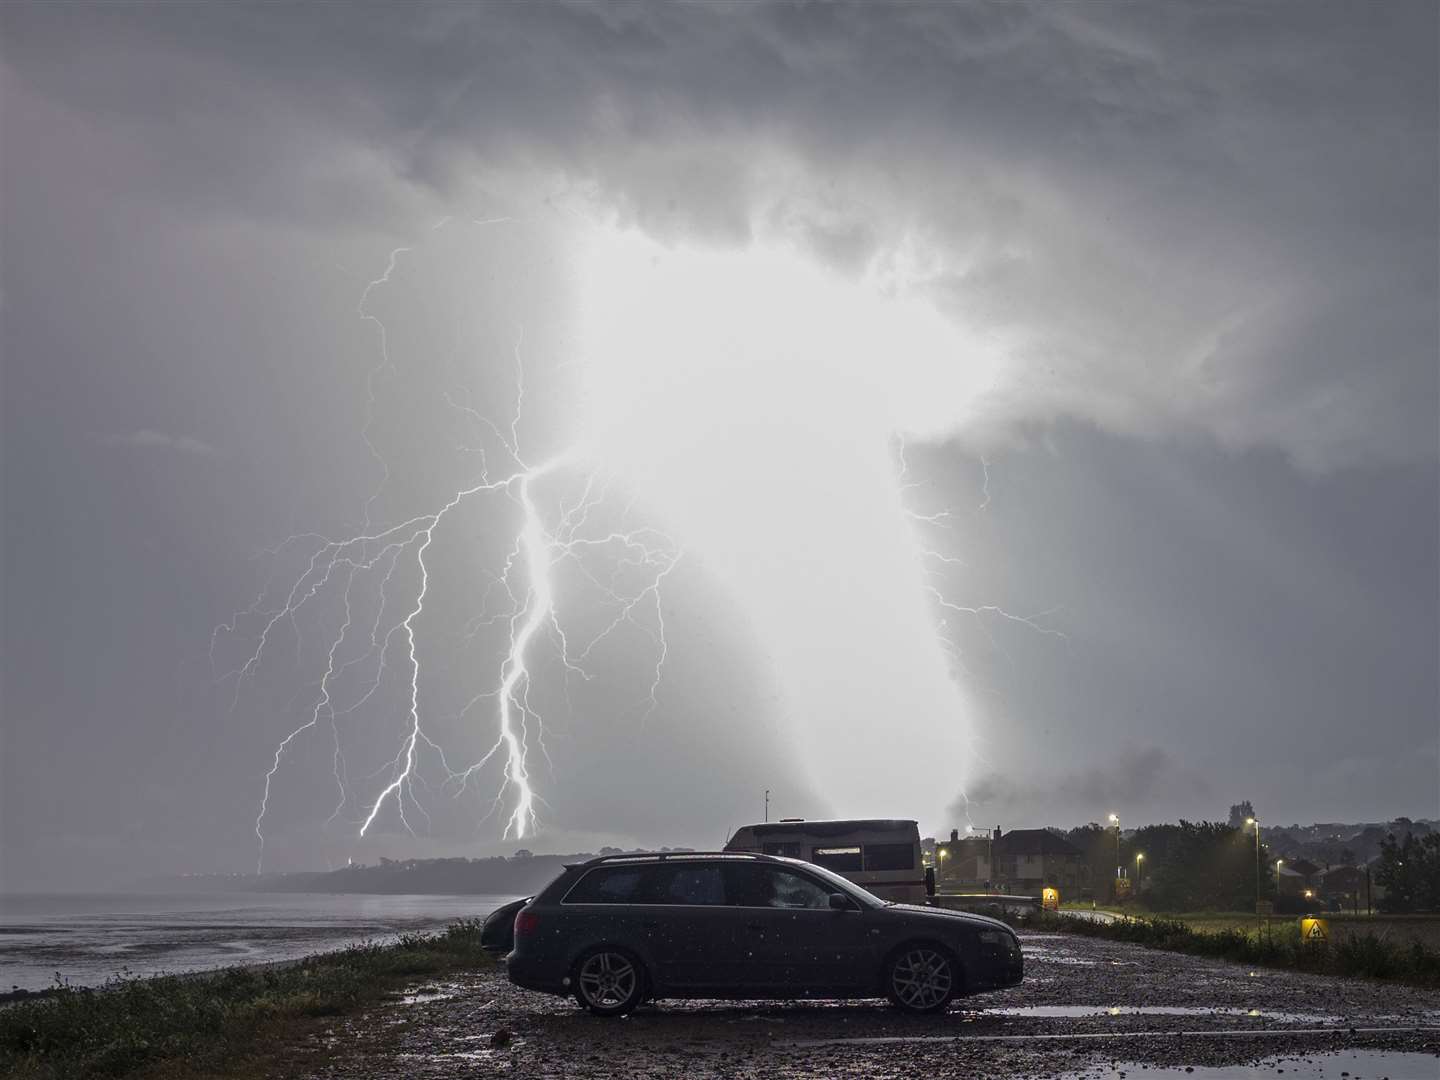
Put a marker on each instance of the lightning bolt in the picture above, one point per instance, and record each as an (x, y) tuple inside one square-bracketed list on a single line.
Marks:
[(981, 614), (368, 565)]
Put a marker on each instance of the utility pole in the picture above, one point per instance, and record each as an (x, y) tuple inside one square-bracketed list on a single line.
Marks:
[(990, 837), (1119, 866), (767, 804), (1255, 821)]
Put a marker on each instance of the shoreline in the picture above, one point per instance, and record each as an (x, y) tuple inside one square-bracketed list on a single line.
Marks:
[(207, 1020)]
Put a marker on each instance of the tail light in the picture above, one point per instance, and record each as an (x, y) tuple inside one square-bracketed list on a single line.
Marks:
[(526, 923)]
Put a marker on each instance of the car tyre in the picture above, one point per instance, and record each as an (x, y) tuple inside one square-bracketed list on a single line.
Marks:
[(609, 981), (922, 978)]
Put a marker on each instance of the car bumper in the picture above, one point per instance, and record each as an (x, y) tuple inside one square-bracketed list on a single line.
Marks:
[(999, 977), (528, 975)]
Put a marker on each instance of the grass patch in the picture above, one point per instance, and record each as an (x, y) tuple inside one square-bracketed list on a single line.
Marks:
[(1368, 955), (190, 1024)]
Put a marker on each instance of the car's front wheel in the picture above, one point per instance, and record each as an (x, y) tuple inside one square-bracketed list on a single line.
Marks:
[(609, 982), (922, 979)]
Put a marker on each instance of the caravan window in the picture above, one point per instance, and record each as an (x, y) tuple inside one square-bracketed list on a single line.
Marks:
[(889, 856), (839, 859), (792, 850)]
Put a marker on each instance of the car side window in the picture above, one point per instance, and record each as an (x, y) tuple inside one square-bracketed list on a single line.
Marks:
[(686, 884), (792, 890), (772, 886), (608, 885)]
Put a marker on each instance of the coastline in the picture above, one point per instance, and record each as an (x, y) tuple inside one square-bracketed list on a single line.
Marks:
[(216, 1022), (88, 939)]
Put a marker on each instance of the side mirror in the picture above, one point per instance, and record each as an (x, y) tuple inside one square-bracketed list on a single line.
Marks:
[(840, 902)]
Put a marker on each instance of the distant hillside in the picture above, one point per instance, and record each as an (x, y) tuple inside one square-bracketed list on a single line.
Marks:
[(1339, 844), (519, 875)]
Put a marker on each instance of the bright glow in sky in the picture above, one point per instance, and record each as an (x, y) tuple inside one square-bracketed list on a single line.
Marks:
[(752, 400)]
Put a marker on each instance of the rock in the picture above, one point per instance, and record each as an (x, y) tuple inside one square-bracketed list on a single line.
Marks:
[(501, 1038)]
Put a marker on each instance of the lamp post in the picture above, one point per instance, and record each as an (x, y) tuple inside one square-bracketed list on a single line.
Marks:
[(1255, 823), (1139, 858), (767, 804), (1278, 863), (941, 853), (1119, 867)]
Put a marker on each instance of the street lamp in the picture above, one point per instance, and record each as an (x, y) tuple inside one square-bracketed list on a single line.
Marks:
[(1139, 858), (1119, 868), (1278, 863), (940, 855), (1255, 823)]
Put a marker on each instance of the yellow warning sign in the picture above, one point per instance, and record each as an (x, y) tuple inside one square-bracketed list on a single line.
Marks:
[(1050, 899), (1315, 931)]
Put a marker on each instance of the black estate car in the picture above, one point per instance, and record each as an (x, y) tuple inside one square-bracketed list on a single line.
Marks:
[(623, 929)]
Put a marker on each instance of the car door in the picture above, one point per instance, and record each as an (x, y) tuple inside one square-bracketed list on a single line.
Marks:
[(787, 938), (686, 925)]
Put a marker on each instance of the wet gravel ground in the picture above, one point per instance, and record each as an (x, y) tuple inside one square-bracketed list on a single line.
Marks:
[(1086, 1008)]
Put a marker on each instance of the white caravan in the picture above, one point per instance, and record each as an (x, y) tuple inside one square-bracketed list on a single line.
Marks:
[(878, 854)]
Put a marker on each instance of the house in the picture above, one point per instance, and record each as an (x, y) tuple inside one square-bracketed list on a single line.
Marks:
[(1028, 860), (1289, 881), (1343, 886), (963, 863)]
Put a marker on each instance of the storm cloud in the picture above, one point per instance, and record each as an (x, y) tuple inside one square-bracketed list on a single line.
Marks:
[(1194, 244)]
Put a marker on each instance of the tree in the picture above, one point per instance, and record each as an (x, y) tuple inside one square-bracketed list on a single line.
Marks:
[(1409, 872), (1097, 848), (1201, 866), (1240, 813)]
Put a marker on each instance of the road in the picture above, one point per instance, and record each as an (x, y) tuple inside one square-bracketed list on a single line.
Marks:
[(1087, 1009)]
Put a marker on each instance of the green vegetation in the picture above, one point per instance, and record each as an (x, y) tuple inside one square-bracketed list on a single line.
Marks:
[(1190, 866), (189, 1025), (1368, 955), (1409, 872)]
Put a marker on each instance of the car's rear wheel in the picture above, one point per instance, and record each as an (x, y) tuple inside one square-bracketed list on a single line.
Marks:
[(922, 979), (609, 982)]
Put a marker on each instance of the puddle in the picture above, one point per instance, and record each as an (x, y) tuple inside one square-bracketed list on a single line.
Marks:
[(426, 994), (1066, 1011), (1060, 956), (1118, 1037), (1050, 956), (1339, 1065)]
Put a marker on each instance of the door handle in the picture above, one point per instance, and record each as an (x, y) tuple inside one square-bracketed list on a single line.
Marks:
[(650, 925), (757, 927)]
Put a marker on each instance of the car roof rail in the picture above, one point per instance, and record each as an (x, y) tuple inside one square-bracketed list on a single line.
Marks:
[(662, 856)]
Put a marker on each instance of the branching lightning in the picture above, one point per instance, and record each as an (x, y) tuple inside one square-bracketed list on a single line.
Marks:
[(937, 560), (368, 565), (574, 573)]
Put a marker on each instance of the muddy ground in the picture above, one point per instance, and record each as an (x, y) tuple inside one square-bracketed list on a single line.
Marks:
[(1087, 1007)]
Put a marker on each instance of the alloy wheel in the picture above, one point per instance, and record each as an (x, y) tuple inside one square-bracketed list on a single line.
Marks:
[(922, 979), (608, 980)]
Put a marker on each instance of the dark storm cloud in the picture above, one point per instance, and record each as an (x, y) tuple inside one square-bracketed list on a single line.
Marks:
[(1207, 217), (1202, 235), (1134, 776)]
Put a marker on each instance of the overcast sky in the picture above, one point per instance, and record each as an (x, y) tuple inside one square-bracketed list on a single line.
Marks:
[(1041, 400)]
